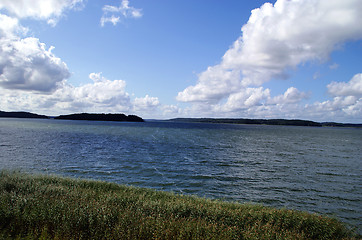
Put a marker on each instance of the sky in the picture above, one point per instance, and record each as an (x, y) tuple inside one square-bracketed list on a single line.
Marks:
[(291, 59)]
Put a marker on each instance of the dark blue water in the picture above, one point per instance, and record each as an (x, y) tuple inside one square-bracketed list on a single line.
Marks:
[(307, 168)]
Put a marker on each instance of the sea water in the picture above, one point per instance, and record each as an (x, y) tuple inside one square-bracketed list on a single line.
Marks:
[(306, 168)]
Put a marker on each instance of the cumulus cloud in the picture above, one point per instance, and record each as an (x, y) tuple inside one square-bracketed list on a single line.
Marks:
[(10, 27), (347, 100), (339, 108), (146, 103), (113, 14), (278, 38), (101, 95), (171, 111), (345, 106), (214, 84), (292, 95), (49, 10), (257, 100), (26, 63), (351, 88), (245, 99)]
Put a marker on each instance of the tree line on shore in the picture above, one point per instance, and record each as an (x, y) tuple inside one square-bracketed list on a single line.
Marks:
[(119, 117), (133, 118), (285, 122)]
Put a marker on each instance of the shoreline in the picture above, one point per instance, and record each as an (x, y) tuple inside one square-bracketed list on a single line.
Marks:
[(120, 117)]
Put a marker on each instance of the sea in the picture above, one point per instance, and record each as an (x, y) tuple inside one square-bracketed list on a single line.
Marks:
[(314, 169)]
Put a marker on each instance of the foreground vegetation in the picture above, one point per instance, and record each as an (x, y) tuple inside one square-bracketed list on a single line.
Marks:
[(49, 207)]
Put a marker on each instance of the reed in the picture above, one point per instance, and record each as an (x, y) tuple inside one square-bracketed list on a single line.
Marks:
[(52, 207)]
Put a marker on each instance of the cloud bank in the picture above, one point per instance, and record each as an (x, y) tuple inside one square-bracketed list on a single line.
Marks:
[(276, 39), (101, 95), (347, 100)]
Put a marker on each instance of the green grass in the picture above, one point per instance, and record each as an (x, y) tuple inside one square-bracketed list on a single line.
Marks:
[(50, 207)]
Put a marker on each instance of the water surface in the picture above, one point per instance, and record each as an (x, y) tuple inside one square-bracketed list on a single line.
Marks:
[(307, 168)]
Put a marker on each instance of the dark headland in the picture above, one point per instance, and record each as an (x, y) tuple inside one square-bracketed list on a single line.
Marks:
[(117, 117), (21, 115)]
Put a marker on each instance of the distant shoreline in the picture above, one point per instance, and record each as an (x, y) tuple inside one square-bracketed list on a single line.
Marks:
[(275, 122), (120, 117)]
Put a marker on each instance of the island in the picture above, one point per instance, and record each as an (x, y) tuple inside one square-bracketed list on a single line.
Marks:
[(115, 117), (21, 115)]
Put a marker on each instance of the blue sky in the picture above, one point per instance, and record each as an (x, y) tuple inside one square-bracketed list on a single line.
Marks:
[(164, 59)]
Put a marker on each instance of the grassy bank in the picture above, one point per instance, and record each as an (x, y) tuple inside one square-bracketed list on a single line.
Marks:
[(48, 207)]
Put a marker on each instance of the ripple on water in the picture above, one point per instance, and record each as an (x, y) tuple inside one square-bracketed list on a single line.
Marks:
[(313, 169)]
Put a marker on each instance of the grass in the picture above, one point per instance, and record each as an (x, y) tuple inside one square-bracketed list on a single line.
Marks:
[(50, 207)]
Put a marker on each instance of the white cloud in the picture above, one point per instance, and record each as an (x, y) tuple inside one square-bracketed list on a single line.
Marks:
[(146, 104), (102, 95), (345, 106), (339, 109), (113, 19), (49, 10), (290, 33), (10, 27), (214, 84), (292, 95), (245, 99), (351, 88), (171, 111), (113, 14), (346, 103), (276, 39), (26, 63), (97, 77), (254, 101)]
